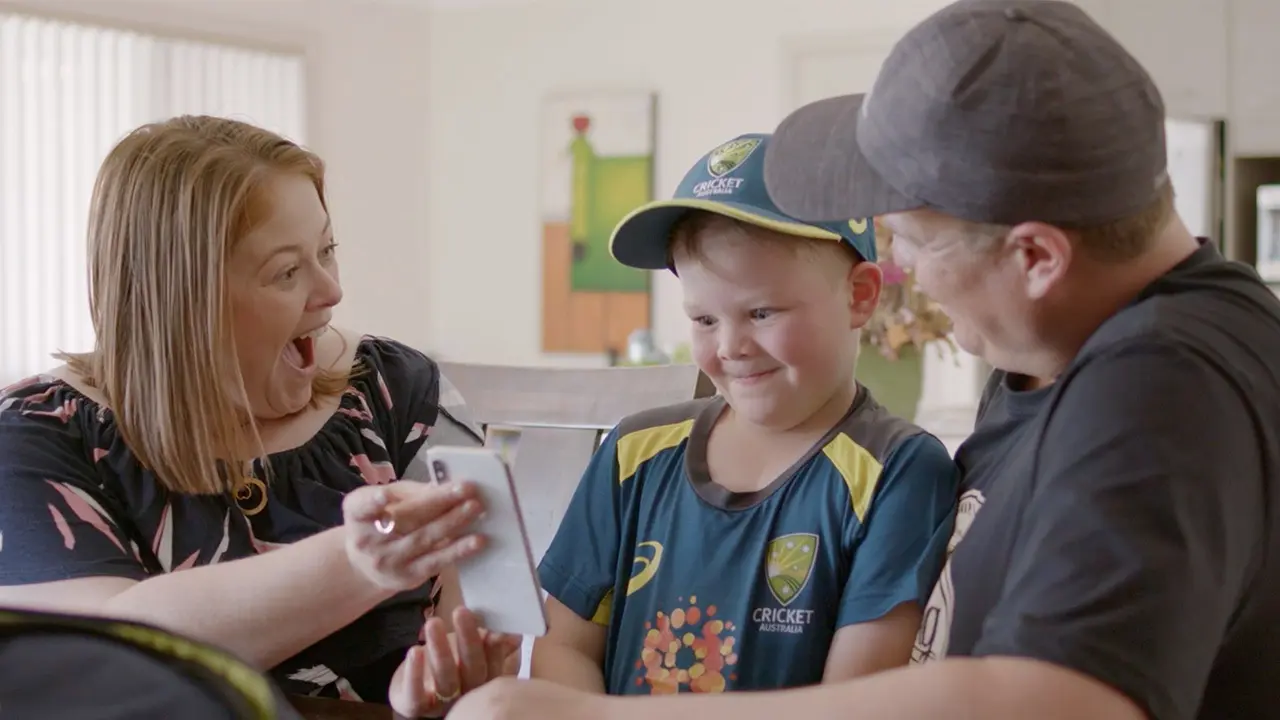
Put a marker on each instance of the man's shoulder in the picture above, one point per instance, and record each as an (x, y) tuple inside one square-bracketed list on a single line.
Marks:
[(1218, 307)]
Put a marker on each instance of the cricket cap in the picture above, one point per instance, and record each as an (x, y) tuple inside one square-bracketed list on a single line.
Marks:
[(727, 181)]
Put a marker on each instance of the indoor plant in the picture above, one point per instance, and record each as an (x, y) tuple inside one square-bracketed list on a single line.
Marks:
[(891, 363)]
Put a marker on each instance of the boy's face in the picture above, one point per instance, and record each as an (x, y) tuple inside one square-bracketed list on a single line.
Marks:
[(775, 327)]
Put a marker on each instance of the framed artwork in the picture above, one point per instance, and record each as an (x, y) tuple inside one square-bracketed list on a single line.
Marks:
[(596, 166)]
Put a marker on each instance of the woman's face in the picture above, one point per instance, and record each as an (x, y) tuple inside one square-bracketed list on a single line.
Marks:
[(283, 283)]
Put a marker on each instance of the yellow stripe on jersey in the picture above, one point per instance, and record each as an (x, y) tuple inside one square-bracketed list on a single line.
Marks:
[(858, 467), (604, 610), (636, 447)]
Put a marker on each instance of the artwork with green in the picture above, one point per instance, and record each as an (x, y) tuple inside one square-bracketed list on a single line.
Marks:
[(605, 189), (597, 166)]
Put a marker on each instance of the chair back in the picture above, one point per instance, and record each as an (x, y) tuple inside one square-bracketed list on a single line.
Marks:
[(548, 421)]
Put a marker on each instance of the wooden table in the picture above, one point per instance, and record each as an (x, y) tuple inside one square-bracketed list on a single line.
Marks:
[(313, 708)]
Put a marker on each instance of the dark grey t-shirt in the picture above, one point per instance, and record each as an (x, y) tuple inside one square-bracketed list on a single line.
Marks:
[(1124, 521)]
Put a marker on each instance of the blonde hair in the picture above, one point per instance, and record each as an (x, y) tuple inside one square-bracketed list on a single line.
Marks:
[(171, 201), (690, 233)]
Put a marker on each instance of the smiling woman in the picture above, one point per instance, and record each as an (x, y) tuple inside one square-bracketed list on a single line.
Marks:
[(220, 427)]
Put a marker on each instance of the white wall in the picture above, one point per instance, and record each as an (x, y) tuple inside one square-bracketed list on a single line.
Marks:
[(718, 67), (367, 116), (428, 118)]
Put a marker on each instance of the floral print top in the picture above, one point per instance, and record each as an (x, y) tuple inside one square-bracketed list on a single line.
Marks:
[(75, 502)]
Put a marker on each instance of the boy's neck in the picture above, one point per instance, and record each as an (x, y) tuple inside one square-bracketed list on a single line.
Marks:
[(746, 457), (816, 425)]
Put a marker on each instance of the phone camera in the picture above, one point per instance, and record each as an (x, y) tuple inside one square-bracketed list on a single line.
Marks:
[(441, 471)]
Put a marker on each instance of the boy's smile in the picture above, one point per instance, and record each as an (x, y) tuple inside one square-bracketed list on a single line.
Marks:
[(773, 325)]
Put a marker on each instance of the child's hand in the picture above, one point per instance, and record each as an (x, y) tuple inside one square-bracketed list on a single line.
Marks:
[(437, 673)]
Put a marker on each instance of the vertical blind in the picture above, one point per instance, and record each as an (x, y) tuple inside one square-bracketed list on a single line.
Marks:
[(68, 92)]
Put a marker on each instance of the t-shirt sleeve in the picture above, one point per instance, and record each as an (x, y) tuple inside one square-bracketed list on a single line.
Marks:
[(902, 543), (1142, 531), (580, 565), (56, 521)]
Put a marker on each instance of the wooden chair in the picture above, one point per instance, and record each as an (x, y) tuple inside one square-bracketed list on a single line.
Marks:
[(548, 421)]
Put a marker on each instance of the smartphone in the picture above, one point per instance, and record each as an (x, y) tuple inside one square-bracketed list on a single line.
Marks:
[(500, 583)]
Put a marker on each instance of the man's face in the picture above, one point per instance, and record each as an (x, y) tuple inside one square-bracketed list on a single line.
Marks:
[(981, 283)]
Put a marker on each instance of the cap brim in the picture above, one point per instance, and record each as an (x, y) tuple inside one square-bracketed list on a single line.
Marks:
[(642, 238), (814, 170)]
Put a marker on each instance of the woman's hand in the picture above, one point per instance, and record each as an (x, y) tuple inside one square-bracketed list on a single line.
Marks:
[(402, 534), (434, 675)]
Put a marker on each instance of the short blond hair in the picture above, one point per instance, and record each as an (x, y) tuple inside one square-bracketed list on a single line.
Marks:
[(690, 233), (171, 201)]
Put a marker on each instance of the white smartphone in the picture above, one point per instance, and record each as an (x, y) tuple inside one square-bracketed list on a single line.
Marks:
[(500, 583)]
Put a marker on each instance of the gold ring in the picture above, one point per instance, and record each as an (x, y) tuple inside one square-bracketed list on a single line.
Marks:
[(386, 527), (445, 700)]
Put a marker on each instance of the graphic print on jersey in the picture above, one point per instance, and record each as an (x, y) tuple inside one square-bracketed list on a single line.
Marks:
[(935, 624), (688, 648), (648, 566), (692, 646)]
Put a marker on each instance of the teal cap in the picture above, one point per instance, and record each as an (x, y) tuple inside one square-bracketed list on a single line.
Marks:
[(727, 181)]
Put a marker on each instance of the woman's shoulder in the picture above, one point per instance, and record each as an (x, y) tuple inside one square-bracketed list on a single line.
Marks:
[(395, 375), (50, 398), (411, 384), (390, 357), (49, 425)]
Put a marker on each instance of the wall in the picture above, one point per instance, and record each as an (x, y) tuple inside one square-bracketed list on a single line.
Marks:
[(428, 119), (367, 65), (718, 66)]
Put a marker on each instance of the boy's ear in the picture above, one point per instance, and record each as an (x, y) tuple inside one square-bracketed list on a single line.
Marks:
[(865, 281)]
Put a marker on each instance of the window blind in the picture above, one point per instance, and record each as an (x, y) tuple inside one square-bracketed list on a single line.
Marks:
[(68, 92)]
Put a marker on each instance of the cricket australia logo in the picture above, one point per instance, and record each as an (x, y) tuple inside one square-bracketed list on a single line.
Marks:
[(787, 571), (724, 159)]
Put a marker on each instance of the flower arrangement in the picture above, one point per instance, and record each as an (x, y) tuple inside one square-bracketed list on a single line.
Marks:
[(905, 317)]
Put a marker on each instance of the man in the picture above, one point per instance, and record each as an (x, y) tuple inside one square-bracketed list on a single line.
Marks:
[(1120, 557)]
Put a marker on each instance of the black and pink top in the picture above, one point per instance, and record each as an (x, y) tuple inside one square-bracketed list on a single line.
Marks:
[(75, 502)]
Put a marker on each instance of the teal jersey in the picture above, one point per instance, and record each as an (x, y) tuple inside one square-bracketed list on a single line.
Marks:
[(707, 590)]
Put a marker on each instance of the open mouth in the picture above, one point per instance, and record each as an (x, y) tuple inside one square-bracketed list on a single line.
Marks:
[(300, 352)]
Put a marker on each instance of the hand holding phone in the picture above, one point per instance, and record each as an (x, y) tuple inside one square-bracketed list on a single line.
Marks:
[(500, 583)]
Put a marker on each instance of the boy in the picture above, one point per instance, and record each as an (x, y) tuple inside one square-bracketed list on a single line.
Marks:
[(783, 533)]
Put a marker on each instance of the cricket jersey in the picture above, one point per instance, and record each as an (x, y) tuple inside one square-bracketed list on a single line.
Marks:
[(707, 590)]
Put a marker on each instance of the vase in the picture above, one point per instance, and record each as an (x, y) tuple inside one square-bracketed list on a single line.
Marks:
[(895, 384)]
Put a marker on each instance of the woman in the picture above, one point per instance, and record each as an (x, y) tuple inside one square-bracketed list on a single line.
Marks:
[(222, 463)]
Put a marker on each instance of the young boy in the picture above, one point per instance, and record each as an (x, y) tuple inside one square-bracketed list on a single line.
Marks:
[(782, 533)]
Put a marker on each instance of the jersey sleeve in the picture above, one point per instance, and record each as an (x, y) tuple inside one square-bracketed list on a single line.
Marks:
[(580, 565), (58, 522), (1147, 522), (903, 540)]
